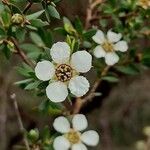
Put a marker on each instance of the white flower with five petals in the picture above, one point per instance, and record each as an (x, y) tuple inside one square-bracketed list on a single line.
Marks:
[(72, 137), (63, 72), (108, 45)]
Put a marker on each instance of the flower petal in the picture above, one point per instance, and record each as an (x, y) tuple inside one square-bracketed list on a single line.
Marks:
[(44, 70), (121, 46), (79, 122), (61, 143), (81, 61), (111, 58), (79, 146), (99, 37), (99, 52), (57, 92), (79, 86), (60, 52), (61, 124), (113, 37), (90, 138)]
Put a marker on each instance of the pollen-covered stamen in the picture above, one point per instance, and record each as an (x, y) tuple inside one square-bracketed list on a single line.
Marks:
[(64, 72), (107, 46), (73, 137)]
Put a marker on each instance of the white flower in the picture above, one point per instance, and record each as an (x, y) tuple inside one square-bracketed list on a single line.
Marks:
[(108, 45), (71, 137), (64, 72)]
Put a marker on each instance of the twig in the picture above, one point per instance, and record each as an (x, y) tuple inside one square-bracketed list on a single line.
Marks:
[(22, 54), (80, 102), (13, 97), (96, 3), (29, 4), (90, 10)]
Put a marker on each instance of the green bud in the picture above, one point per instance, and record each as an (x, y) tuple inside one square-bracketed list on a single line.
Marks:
[(33, 134), (17, 19)]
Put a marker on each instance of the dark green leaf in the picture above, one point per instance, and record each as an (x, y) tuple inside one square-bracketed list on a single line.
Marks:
[(53, 12), (110, 79)]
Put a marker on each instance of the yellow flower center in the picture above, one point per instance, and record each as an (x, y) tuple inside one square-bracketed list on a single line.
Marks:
[(73, 137), (108, 47), (64, 72)]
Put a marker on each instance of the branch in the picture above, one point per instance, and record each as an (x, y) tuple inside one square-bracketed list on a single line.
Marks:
[(90, 10), (80, 102), (13, 98), (29, 4), (22, 54), (96, 3)]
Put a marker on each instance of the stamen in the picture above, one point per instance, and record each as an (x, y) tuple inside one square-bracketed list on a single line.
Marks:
[(108, 47), (64, 72), (73, 137)]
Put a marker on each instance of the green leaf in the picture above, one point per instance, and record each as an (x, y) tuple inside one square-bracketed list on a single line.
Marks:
[(49, 107), (34, 15), (38, 23), (6, 18), (24, 70), (78, 26), (60, 30), (110, 79), (20, 34), (53, 12), (87, 35), (2, 32), (32, 85), (29, 47), (23, 81), (6, 51), (46, 36), (1, 7), (129, 70), (37, 39)]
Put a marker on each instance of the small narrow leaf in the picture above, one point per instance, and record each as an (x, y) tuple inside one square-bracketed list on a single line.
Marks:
[(34, 15), (53, 12)]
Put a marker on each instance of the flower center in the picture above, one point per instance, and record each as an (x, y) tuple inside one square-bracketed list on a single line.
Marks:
[(64, 72), (73, 137), (108, 47)]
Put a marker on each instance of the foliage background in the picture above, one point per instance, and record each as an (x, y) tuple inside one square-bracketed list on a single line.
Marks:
[(119, 115)]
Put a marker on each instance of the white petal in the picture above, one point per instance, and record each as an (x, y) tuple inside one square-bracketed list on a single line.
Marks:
[(121, 46), (60, 52), (81, 61), (44, 70), (79, 86), (61, 143), (61, 124), (111, 58), (113, 37), (99, 52), (57, 91), (99, 37), (90, 138), (79, 122), (79, 146)]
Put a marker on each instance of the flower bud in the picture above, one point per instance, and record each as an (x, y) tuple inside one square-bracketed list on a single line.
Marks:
[(146, 131), (33, 135), (17, 19), (140, 145)]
